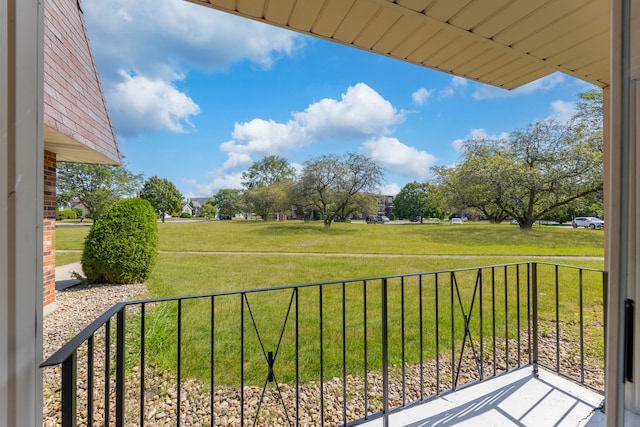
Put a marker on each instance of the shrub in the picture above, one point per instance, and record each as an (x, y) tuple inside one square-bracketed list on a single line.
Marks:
[(79, 212), (185, 215), (122, 246), (65, 214)]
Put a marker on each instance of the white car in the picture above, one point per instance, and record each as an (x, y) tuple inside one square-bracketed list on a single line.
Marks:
[(587, 222), (456, 221)]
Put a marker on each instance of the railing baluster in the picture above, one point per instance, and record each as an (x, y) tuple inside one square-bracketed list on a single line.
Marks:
[(385, 353), (506, 319), (321, 362), (557, 322), (366, 350), (297, 291), (421, 314), (242, 298), (142, 357), (402, 322), (518, 312), (581, 329), (452, 278), (212, 369), (179, 361), (120, 353), (534, 316), (69, 399), (481, 326), (493, 316), (90, 383), (437, 323), (107, 371), (344, 354)]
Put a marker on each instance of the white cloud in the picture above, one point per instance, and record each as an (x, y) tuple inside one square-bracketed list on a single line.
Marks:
[(361, 111), (543, 84), (457, 84), (390, 189), (141, 104), (162, 40), (476, 134), (563, 111), (421, 96), (399, 158), (265, 137)]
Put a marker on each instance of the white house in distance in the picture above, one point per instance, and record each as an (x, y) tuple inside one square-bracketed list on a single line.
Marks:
[(503, 43)]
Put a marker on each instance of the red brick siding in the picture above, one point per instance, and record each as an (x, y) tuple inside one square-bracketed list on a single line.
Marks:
[(74, 104), (49, 230)]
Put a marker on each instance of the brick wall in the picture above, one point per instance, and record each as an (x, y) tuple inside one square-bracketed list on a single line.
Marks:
[(49, 230)]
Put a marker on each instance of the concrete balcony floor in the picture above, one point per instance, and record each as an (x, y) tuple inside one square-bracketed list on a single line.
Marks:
[(514, 399)]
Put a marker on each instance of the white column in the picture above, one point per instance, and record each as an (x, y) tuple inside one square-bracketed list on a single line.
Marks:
[(21, 194)]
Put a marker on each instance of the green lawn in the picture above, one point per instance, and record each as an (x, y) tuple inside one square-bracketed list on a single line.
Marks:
[(252, 255)]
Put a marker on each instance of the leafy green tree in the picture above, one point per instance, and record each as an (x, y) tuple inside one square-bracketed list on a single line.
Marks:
[(268, 171), (162, 194), (229, 201), (531, 173), (267, 185), (96, 186), (268, 200), (332, 184), (208, 210), (420, 199), (123, 245)]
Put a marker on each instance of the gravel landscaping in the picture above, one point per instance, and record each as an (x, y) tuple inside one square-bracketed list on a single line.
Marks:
[(80, 305)]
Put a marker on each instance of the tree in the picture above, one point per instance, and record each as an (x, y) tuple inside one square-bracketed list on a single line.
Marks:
[(530, 174), (267, 185), (208, 210), (162, 194), (96, 186), (268, 171), (332, 184), (420, 199), (229, 201)]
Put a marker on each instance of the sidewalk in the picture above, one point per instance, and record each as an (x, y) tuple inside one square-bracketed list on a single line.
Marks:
[(65, 277)]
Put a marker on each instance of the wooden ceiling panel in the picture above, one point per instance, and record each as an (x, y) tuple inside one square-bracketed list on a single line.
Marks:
[(304, 14), (416, 39), (416, 5), (476, 12), (400, 31), (536, 21), (253, 8), (500, 76), (568, 30), (228, 5), (279, 11), (510, 15), (331, 16), (477, 39), (355, 21), (378, 27), (443, 10)]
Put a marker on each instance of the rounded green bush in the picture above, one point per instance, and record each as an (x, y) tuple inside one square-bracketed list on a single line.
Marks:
[(122, 245)]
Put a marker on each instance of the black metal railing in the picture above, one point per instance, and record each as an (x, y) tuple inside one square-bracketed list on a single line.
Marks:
[(333, 353)]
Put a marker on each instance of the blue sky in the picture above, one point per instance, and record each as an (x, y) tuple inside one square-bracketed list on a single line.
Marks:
[(196, 96)]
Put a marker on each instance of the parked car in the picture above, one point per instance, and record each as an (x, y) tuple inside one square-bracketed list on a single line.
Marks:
[(587, 222), (224, 217), (456, 221), (380, 219)]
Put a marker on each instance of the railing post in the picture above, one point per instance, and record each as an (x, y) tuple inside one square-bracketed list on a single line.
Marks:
[(69, 376), (534, 315), (119, 368), (385, 354)]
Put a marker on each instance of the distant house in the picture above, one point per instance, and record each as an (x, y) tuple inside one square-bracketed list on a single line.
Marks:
[(194, 204), (186, 208)]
